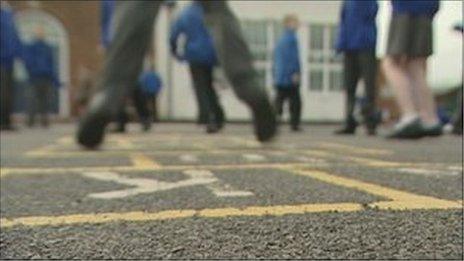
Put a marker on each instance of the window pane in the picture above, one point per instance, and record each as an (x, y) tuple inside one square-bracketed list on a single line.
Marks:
[(278, 30), (336, 80), (255, 33), (316, 37), (316, 78), (333, 33)]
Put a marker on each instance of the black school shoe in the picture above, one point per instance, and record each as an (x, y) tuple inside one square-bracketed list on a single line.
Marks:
[(347, 129), (91, 129), (434, 131), (412, 130), (264, 120)]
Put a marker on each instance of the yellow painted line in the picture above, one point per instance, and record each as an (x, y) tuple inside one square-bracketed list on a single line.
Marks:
[(66, 170), (66, 140), (400, 200), (376, 162), (177, 214), (142, 161), (353, 149), (45, 150)]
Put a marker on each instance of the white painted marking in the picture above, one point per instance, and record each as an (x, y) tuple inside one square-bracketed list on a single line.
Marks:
[(188, 158), (144, 186), (310, 160), (429, 172), (254, 157)]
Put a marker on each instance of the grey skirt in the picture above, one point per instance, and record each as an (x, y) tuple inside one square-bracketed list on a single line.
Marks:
[(410, 35)]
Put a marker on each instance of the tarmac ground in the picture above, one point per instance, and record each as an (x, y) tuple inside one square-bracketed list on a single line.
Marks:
[(177, 192)]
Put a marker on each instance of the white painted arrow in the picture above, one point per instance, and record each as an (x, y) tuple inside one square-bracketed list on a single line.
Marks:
[(143, 185)]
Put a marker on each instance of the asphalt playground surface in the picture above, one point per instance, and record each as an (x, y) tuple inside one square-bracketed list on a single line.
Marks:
[(179, 193)]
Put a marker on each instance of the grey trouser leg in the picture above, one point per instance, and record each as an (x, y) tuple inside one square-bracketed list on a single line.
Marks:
[(133, 32), (6, 96), (359, 65), (351, 78), (39, 101), (368, 66), (458, 117), (232, 51)]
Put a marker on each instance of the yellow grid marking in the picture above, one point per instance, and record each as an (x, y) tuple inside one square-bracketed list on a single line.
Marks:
[(65, 170), (140, 160), (176, 214), (395, 199), (353, 149), (400, 200)]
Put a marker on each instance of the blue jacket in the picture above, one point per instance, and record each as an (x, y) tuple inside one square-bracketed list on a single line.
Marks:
[(199, 46), (416, 7), (106, 15), (357, 29), (39, 61), (286, 59), (150, 82), (10, 45)]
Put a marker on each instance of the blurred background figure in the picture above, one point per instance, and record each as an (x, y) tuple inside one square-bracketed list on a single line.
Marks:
[(146, 89), (199, 52), (151, 84), (287, 72), (409, 46), (457, 125), (42, 71), (10, 49), (133, 31), (357, 39)]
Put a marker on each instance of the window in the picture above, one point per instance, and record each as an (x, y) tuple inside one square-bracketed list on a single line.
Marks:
[(255, 33), (257, 36), (316, 39), (324, 65), (323, 70), (316, 80), (336, 80)]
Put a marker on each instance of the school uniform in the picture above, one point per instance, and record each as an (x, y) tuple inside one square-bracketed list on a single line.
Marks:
[(287, 72), (41, 68), (357, 39), (200, 54), (411, 28), (10, 50)]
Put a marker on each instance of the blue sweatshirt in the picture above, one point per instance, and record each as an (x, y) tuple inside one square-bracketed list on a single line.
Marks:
[(106, 16), (416, 7), (286, 59), (357, 30), (10, 44), (150, 82), (199, 48), (40, 63)]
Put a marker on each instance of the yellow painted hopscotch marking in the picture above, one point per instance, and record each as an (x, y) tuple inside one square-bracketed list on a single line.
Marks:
[(353, 149), (399, 200), (142, 161), (176, 214), (394, 199)]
